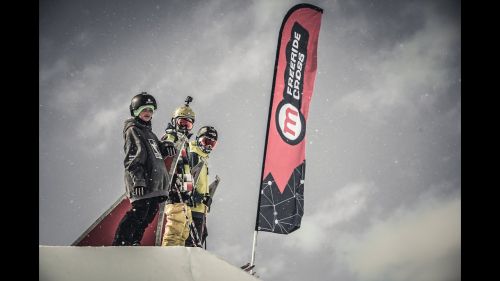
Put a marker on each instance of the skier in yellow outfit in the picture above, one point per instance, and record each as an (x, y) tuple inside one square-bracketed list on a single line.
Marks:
[(177, 210), (206, 140)]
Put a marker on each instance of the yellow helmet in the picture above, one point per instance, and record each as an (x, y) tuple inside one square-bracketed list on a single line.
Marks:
[(184, 112)]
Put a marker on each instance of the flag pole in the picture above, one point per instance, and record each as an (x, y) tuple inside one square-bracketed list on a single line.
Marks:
[(252, 262), (254, 245)]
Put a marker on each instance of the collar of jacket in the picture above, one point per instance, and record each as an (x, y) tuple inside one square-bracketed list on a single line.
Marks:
[(142, 123), (194, 148)]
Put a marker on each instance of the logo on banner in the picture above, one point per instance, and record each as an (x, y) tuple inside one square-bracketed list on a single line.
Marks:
[(290, 121)]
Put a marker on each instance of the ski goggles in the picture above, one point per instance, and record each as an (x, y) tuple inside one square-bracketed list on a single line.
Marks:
[(185, 123), (207, 142), (149, 108)]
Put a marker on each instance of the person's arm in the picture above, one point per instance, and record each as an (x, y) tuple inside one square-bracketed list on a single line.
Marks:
[(167, 148), (202, 194), (170, 134), (135, 157)]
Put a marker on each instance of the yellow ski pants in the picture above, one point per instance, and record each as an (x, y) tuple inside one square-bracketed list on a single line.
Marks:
[(177, 226)]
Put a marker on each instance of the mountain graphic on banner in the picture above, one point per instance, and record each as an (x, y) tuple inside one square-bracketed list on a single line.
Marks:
[(281, 212)]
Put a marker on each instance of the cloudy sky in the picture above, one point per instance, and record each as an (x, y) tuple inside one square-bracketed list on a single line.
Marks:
[(383, 180)]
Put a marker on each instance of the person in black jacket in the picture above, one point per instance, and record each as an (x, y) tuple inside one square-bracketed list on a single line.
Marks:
[(146, 177)]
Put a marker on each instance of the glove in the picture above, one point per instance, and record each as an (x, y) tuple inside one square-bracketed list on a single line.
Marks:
[(169, 149), (170, 134), (198, 197), (139, 191), (207, 200)]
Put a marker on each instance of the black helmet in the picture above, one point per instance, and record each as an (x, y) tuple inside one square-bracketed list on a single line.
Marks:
[(206, 138), (142, 99)]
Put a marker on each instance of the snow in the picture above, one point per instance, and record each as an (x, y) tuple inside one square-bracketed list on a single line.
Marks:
[(135, 263)]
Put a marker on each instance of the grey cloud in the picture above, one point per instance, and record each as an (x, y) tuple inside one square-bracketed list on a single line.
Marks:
[(343, 205), (383, 139), (412, 243)]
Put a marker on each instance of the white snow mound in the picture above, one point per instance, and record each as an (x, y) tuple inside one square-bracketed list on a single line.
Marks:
[(58, 263)]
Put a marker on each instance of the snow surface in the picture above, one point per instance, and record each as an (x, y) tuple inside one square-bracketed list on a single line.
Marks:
[(134, 263)]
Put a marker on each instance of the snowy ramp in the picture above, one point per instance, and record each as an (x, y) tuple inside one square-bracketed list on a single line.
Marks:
[(58, 263)]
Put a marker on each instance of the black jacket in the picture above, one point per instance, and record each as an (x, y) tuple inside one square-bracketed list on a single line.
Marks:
[(144, 165)]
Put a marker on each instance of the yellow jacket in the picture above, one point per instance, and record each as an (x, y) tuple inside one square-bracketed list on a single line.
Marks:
[(201, 185)]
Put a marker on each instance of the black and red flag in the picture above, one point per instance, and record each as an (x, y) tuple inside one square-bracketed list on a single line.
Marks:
[(281, 197)]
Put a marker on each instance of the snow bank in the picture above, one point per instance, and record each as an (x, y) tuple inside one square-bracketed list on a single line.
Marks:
[(134, 264)]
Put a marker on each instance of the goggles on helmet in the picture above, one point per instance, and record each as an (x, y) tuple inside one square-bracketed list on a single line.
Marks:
[(185, 123), (207, 142), (142, 108)]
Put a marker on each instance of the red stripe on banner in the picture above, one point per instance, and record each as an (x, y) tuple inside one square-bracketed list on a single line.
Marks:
[(292, 93)]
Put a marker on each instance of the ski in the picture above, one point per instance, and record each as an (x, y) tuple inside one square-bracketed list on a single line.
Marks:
[(195, 171), (171, 171), (245, 265), (211, 190), (192, 227), (160, 224), (213, 186)]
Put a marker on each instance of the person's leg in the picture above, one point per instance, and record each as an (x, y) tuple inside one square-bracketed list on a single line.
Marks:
[(198, 222), (204, 232), (130, 223), (187, 226), (175, 226), (150, 210)]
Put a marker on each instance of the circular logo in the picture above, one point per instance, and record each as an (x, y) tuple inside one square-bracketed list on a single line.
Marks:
[(290, 123)]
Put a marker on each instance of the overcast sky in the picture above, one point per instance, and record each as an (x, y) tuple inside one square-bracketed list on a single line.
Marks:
[(383, 178)]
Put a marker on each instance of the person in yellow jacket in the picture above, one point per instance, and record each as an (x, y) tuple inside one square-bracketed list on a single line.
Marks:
[(206, 140), (177, 210)]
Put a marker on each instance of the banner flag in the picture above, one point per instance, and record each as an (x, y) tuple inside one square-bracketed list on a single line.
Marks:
[(281, 197)]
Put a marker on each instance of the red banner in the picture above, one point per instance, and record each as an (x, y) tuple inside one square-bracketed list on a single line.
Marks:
[(282, 188)]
